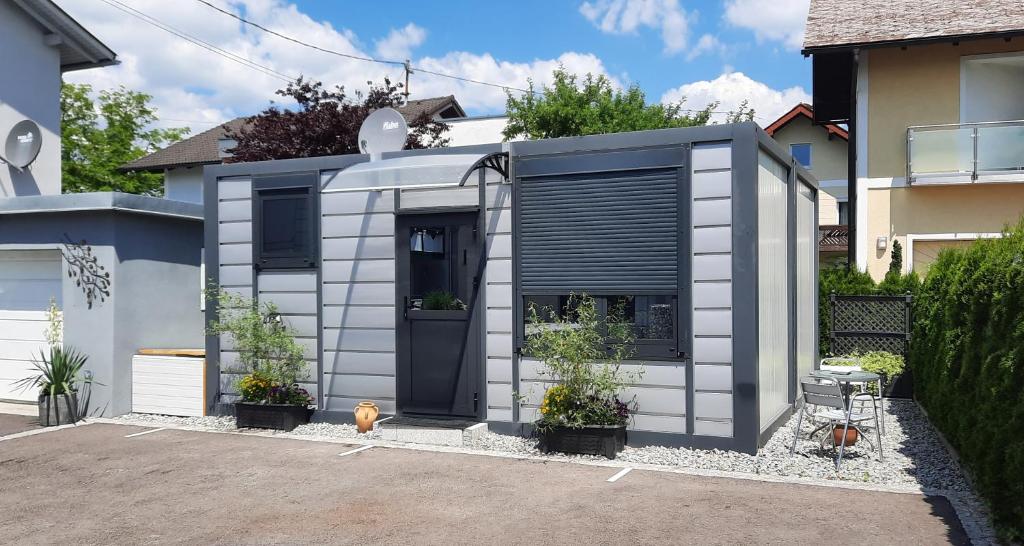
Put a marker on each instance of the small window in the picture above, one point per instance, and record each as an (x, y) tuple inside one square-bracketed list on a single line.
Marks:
[(285, 228), (801, 153), (844, 213)]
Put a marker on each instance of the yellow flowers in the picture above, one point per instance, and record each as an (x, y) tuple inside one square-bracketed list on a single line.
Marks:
[(554, 400)]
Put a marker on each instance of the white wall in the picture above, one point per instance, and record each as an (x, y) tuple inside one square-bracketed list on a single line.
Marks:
[(468, 131), (806, 296), (29, 89), (184, 184), (772, 289)]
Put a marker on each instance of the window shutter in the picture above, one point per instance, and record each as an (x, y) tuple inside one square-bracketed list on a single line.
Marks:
[(600, 232)]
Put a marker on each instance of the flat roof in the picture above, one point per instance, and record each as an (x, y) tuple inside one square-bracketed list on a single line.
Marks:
[(101, 201)]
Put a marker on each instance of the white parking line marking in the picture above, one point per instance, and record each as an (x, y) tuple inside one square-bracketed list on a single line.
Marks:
[(620, 474), (145, 432), (356, 450)]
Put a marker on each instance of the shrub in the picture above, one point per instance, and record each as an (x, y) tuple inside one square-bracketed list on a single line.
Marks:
[(967, 356), (441, 300), (582, 354), (266, 347)]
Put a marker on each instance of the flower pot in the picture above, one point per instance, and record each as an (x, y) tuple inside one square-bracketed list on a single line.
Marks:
[(274, 416), (58, 410), (366, 413), (606, 440), (851, 435)]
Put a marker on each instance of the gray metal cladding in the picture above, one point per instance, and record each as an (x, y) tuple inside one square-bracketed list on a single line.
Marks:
[(600, 231)]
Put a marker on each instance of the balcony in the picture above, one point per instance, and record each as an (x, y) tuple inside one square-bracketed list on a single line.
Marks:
[(966, 153), (833, 239)]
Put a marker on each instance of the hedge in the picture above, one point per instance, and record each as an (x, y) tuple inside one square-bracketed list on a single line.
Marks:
[(967, 356)]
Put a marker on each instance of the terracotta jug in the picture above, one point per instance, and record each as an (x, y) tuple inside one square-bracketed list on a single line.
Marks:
[(366, 413)]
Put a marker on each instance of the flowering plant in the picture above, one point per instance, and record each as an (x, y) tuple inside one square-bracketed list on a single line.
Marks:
[(582, 354)]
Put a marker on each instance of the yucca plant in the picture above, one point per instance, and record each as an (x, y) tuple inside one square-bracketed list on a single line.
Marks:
[(60, 373)]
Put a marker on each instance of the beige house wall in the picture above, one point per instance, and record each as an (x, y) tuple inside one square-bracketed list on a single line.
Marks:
[(937, 210), (828, 155), (828, 209), (919, 85)]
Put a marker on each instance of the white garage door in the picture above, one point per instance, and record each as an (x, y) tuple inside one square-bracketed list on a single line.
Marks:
[(28, 279)]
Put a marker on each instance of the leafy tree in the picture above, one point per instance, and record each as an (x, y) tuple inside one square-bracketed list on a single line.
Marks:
[(574, 107), (326, 123), (98, 136)]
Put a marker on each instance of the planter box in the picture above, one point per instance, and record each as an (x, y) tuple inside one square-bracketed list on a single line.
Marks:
[(57, 411), (900, 387), (605, 440), (275, 416)]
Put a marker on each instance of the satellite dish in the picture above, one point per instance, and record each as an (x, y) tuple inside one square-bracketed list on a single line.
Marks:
[(22, 145), (384, 130)]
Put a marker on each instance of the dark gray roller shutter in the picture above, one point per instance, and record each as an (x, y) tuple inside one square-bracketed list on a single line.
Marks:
[(604, 232)]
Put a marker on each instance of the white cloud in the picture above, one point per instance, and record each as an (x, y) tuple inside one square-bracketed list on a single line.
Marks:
[(190, 83), (399, 43), (732, 88), (707, 43), (627, 16), (770, 20)]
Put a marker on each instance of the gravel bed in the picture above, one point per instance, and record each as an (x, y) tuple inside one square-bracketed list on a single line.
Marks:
[(227, 424)]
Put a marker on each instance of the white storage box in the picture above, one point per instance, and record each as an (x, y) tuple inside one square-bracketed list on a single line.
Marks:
[(169, 382)]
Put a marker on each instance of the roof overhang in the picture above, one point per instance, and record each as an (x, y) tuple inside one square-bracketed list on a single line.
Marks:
[(78, 48), (422, 171), (99, 202), (904, 42)]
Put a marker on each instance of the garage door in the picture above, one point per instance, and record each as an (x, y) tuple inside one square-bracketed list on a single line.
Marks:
[(28, 279), (926, 252)]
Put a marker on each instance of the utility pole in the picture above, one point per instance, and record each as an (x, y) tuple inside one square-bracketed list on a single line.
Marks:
[(408, 70)]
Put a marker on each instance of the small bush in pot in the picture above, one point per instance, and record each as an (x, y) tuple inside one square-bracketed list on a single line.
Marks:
[(273, 362), (60, 374), (581, 352), (888, 365)]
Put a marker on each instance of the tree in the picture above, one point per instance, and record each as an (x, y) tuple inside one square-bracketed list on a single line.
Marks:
[(896, 260), (572, 106), (98, 136), (326, 123)]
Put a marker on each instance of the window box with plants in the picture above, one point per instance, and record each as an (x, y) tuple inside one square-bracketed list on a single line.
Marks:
[(60, 375), (269, 393), (581, 354)]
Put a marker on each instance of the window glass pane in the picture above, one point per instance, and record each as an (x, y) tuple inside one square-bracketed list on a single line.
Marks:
[(653, 317), (844, 213), (285, 229), (430, 267), (801, 153)]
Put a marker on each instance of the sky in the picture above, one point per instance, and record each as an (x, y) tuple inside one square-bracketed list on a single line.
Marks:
[(698, 51)]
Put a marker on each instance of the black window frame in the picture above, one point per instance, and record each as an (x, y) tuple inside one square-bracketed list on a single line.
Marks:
[(647, 349), (287, 186)]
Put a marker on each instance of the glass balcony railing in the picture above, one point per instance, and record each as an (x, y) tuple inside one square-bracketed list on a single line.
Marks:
[(965, 153)]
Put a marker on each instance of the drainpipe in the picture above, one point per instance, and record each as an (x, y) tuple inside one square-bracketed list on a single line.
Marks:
[(851, 165)]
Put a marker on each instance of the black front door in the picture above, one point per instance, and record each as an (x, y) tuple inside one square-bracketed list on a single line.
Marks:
[(438, 324)]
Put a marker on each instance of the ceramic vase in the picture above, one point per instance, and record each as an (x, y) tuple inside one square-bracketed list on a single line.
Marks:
[(366, 413)]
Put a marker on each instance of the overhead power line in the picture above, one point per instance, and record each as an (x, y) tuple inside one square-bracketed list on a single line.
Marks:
[(199, 42)]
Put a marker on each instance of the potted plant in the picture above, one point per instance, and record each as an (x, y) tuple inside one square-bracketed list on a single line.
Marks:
[(270, 396), (581, 353), (60, 372)]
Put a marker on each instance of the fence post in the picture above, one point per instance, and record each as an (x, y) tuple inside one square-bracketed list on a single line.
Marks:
[(832, 323), (908, 302)]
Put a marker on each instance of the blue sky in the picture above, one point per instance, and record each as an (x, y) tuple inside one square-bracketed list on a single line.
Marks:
[(701, 50)]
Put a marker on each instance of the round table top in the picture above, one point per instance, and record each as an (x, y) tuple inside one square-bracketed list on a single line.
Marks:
[(846, 377)]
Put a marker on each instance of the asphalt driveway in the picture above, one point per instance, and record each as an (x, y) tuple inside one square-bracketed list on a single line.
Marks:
[(13, 424), (91, 484)]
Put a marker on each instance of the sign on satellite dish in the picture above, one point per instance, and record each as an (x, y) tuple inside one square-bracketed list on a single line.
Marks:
[(384, 130), (22, 145)]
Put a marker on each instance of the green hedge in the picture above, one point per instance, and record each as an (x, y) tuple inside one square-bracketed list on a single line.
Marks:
[(967, 356), (847, 281)]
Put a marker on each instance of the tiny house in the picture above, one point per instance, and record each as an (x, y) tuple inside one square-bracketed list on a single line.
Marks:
[(705, 235)]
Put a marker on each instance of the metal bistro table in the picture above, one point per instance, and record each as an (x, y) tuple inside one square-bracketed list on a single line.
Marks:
[(846, 381)]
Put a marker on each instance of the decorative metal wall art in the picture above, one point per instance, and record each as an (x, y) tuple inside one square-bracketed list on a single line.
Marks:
[(90, 276)]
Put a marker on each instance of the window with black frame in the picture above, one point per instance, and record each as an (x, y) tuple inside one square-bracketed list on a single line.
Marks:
[(285, 229), (652, 317)]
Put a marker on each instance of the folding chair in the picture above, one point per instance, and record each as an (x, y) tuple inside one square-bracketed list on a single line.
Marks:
[(853, 364), (830, 395)]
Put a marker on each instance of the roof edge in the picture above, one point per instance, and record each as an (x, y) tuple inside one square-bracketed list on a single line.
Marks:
[(911, 41), (101, 201), (51, 16)]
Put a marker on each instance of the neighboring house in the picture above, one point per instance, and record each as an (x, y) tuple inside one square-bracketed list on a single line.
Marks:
[(821, 149), (122, 269), (931, 93), (182, 162), (705, 234)]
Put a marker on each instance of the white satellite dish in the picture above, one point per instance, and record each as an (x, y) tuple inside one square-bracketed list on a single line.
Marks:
[(23, 143), (384, 130)]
